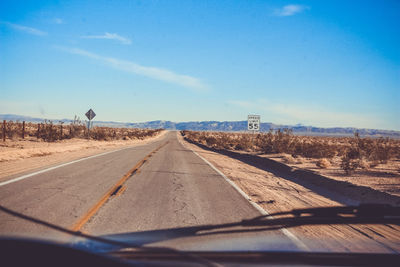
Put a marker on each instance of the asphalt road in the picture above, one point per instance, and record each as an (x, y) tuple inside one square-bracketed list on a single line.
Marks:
[(170, 186)]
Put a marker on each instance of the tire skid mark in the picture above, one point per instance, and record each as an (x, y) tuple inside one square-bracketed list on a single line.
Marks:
[(372, 238)]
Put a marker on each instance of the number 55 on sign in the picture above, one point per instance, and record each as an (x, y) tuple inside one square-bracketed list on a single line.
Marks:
[(253, 122)]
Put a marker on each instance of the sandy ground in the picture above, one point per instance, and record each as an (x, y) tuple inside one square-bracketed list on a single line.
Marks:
[(18, 156), (275, 194), (383, 177)]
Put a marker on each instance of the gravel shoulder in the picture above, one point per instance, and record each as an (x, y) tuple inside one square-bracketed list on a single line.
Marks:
[(275, 193), (384, 177)]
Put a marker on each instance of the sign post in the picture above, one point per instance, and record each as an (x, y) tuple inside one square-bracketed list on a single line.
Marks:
[(90, 115), (253, 123)]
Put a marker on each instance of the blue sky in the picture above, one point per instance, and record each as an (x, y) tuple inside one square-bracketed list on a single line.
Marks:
[(321, 63)]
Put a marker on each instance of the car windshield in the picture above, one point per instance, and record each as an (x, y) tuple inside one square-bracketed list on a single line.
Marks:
[(201, 125)]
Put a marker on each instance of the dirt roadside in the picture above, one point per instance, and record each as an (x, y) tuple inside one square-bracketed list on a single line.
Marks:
[(275, 193), (29, 154), (384, 177)]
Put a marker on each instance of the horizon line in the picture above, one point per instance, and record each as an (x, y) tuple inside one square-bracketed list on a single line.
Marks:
[(277, 124)]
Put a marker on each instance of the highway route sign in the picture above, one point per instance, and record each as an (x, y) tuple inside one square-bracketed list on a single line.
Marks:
[(253, 122), (90, 114)]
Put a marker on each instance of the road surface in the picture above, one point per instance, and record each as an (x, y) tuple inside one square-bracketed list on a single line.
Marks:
[(154, 186)]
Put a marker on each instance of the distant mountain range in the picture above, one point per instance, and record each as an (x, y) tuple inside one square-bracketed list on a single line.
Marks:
[(226, 126)]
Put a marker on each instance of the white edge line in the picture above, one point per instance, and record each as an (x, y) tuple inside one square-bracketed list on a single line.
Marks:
[(65, 164), (58, 166), (300, 244)]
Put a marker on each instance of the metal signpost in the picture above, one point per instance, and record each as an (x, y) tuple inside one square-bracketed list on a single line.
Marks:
[(253, 123), (90, 115)]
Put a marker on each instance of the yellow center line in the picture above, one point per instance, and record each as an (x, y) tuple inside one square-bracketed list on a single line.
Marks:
[(122, 190), (90, 213)]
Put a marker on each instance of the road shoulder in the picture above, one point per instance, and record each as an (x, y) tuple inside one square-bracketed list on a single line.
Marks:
[(52, 154), (275, 194)]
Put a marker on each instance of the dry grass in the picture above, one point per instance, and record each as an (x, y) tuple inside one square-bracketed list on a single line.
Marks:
[(275, 194), (354, 152), (288, 159), (323, 163), (50, 132)]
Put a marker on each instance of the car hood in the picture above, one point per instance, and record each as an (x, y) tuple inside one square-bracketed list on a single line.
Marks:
[(182, 240)]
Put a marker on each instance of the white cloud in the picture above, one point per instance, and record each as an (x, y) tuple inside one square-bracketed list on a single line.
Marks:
[(110, 36), (290, 10), (312, 115), (151, 72), (26, 29), (58, 21)]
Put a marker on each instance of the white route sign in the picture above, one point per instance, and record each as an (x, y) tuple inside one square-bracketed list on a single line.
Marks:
[(253, 122), (90, 114)]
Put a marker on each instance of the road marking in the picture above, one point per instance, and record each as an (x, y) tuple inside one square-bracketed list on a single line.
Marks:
[(62, 165), (300, 244), (91, 212), (121, 191), (58, 166)]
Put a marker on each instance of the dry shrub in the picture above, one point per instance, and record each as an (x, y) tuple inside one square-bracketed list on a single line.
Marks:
[(108, 133), (244, 143), (351, 160), (299, 160), (355, 152), (323, 163), (99, 133), (374, 164), (50, 132), (383, 151), (363, 164), (76, 129), (211, 141), (380, 149), (41, 154), (12, 129), (368, 153), (288, 159)]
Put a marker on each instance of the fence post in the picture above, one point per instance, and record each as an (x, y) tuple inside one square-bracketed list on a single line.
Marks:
[(4, 130), (38, 130), (23, 129), (61, 134)]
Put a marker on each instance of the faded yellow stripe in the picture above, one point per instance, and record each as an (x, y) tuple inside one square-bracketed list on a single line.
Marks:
[(85, 218)]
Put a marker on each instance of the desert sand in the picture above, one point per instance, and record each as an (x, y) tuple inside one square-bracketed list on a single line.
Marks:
[(275, 194), (18, 156)]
